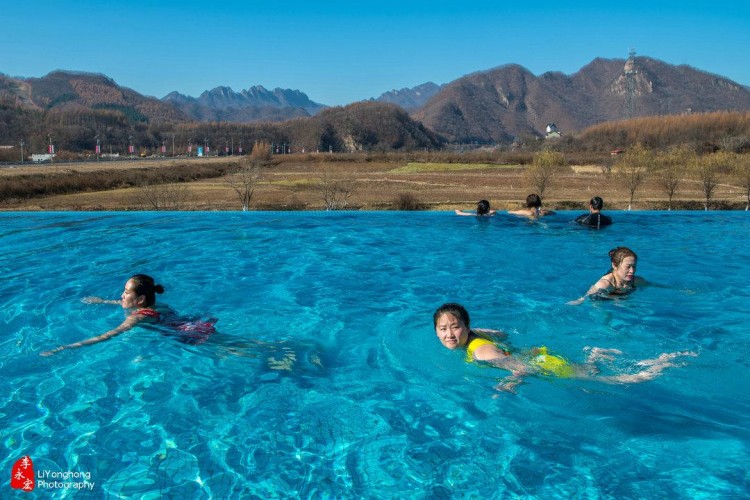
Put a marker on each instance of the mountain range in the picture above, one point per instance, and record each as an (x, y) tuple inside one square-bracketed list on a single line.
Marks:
[(253, 104), (504, 103), (493, 106)]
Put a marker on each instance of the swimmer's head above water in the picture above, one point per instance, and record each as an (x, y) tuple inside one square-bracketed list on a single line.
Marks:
[(483, 207), (140, 291), (452, 325)]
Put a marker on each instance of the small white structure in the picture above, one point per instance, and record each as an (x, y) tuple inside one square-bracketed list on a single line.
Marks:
[(42, 158), (552, 132)]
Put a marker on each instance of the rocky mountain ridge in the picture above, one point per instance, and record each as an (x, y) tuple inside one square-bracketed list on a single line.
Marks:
[(499, 105)]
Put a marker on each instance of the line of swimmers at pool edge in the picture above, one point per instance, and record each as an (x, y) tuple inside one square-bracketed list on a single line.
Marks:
[(533, 210)]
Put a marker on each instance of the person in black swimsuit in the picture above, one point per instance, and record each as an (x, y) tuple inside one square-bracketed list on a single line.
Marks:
[(595, 218)]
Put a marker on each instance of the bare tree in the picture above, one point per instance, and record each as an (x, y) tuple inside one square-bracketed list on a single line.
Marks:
[(707, 169), (670, 168), (243, 181), (261, 150), (632, 167), (542, 170), (742, 173), (335, 191), (161, 194)]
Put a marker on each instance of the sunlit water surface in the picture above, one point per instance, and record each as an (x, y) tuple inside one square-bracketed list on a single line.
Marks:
[(326, 379)]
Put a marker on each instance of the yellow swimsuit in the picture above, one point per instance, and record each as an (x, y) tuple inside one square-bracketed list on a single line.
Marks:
[(548, 363), (474, 345), (551, 364)]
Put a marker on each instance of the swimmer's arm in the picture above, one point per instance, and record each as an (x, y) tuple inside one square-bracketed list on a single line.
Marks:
[(518, 372), (601, 287), (126, 325), (99, 300), (461, 212), (494, 356), (489, 353)]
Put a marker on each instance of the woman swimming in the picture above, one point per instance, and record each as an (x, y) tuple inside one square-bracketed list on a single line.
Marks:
[(139, 296), (483, 210), (620, 280), (452, 326), (533, 208)]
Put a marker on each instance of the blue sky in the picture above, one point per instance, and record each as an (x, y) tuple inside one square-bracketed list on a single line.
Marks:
[(340, 52)]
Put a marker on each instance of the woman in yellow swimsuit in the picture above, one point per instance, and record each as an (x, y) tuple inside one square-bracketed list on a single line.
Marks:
[(453, 329)]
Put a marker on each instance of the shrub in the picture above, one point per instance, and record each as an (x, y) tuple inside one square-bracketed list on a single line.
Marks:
[(407, 202)]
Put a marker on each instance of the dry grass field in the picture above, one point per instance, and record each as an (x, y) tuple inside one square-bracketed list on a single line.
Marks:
[(295, 183)]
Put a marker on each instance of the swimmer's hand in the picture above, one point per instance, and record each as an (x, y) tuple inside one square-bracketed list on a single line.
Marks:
[(509, 384), (575, 302), (53, 351)]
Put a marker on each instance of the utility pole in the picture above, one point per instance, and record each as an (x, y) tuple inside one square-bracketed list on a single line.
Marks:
[(22, 143)]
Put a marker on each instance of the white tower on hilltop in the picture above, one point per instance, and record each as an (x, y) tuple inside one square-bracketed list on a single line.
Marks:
[(630, 72)]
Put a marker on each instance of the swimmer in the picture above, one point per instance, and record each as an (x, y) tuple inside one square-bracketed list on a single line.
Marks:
[(453, 329), (595, 218), (533, 208), (483, 210), (620, 280), (139, 297)]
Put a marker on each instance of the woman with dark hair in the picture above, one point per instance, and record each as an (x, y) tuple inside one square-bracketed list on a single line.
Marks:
[(139, 297), (453, 329), (595, 218), (620, 280), (483, 210), (533, 208)]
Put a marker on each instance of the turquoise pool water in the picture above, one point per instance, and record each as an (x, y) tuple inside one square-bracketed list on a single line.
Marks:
[(372, 405)]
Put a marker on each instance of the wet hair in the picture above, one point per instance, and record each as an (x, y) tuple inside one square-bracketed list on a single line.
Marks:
[(596, 203), (617, 255), (533, 201), (143, 284), (483, 207), (455, 310)]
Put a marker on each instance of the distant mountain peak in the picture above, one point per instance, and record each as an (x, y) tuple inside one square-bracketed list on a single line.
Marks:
[(507, 102), (411, 98), (256, 103)]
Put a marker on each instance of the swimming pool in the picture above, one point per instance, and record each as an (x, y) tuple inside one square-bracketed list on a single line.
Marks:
[(372, 406)]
